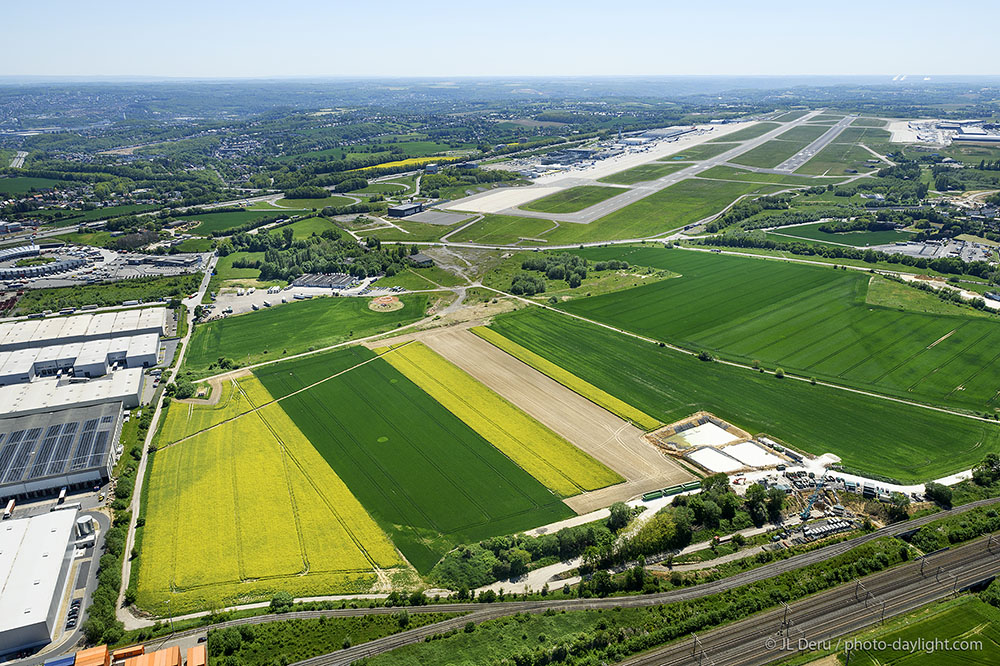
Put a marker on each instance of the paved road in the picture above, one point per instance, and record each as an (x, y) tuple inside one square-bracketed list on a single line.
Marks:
[(807, 153), (640, 190), (18, 161), (123, 613)]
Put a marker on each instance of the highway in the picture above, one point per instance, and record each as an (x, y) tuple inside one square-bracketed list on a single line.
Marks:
[(641, 190), (18, 160)]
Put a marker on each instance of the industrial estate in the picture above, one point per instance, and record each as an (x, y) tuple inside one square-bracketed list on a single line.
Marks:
[(360, 383)]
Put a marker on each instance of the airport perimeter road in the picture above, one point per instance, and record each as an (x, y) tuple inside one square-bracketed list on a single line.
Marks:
[(807, 153), (642, 190), (774, 635)]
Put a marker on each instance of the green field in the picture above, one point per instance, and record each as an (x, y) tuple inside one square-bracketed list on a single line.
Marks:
[(293, 328), (504, 230), (248, 508), (212, 222), (811, 232), (573, 199), (315, 203), (672, 207), (868, 122), (770, 154), (563, 468), (791, 115), (837, 158), (308, 227), (751, 132), (196, 245), (810, 320), (869, 434), (966, 619), (803, 133), (702, 151), (24, 184), (63, 218), (891, 294), (865, 134), (643, 173), (826, 118), (732, 173), (428, 479), (411, 231)]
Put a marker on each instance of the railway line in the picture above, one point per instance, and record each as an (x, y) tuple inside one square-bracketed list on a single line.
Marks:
[(477, 612), (775, 634)]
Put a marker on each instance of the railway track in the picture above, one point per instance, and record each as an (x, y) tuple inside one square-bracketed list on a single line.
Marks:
[(775, 634), (476, 612)]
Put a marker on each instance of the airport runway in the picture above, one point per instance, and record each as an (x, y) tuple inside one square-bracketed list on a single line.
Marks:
[(641, 190), (807, 153)]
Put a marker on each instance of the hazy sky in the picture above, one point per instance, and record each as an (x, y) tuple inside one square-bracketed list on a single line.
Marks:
[(251, 38)]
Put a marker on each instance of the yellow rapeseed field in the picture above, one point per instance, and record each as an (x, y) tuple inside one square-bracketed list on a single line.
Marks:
[(542, 453), (248, 508), (184, 419), (568, 379)]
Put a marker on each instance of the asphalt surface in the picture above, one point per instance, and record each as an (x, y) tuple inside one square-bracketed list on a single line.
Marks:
[(641, 190), (807, 153)]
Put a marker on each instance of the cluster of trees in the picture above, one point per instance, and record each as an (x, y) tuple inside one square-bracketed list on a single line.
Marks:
[(621, 634), (433, 183), (784, 218), (108, 293), (612, 265), (745, 209), (562, 266), (351, 184), (102, 625), (716, 510), (958, 529), (169, 181), (527, 284), (945, 294), (287, 259), (948, 265), (857, 224), (308, 192), (508, 557)]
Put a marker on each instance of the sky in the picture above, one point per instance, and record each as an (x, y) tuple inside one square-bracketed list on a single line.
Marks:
[(393, 38)]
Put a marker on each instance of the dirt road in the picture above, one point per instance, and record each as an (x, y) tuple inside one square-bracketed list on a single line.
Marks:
[(611, 440)]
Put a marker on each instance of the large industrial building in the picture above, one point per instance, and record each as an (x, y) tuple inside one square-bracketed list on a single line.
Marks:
[(35, 333), (72, 448), (65, 383), (35, 558)]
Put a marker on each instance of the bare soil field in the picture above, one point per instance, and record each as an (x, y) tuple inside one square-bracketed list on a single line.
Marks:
[(609, 439)]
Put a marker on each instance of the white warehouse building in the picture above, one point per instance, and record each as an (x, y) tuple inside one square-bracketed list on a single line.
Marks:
[(35, 558), (93, 358), (33, 333)]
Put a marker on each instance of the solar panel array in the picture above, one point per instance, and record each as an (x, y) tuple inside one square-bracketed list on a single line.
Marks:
[(31, 451)]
